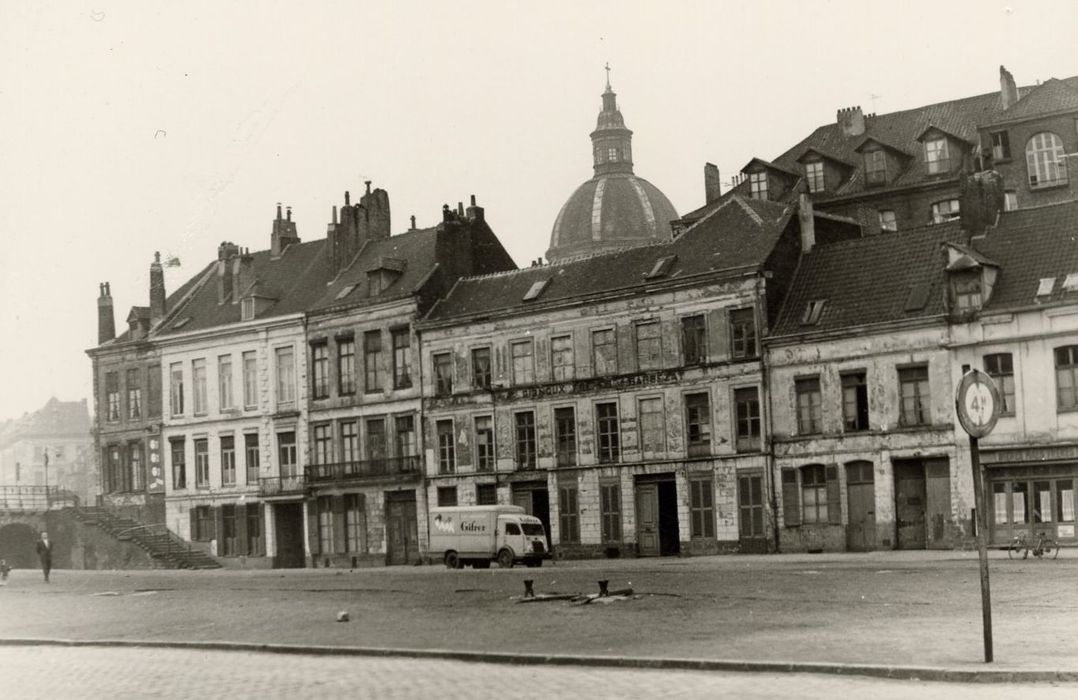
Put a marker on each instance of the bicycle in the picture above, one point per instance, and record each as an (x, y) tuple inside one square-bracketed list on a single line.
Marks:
[(1044, 547)]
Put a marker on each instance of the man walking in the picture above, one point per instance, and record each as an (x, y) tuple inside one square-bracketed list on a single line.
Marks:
[(44, 553)]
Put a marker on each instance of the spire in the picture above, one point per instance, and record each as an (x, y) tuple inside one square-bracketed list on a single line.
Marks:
[(611, 141), (608, 88)]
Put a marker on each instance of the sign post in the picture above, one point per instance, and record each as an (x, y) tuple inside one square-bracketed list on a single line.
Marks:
[(978, 405)]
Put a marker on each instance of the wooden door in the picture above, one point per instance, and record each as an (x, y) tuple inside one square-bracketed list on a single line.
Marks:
[(288, 530), (402, 530), (910, 505), (861, 506), (647, 519), (750, 495), (937, 503)]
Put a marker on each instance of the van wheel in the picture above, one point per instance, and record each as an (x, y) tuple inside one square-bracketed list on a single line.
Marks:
[(505, 559), (452, 561)]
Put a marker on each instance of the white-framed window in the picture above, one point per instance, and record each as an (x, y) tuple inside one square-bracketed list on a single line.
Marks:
[(198, 385), (286, 375), (1045, 160), (814, 176), (1010, 200), (224, 382), (875, 167), (947, 210), (758, 185), (937, 156), (888, 222)]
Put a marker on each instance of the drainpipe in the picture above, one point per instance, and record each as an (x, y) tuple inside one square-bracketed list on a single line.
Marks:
[(769, 453)]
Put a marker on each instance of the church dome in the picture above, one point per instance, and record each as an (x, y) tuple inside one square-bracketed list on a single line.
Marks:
[(614, 209)]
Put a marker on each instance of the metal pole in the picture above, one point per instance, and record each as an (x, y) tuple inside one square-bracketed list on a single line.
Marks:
[(982, 545)]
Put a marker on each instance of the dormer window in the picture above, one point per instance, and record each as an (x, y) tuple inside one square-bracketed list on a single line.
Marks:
[(1045, 286), (1070, 282), (1045, 160), (758, 185), (967, 293), (661, 267), (937, 156), (947, 210), (814, 176), (536, 289), (888, 222), (875, 167), (247, 309), (813, 311)]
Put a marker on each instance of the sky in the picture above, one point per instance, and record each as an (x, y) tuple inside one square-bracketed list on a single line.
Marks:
[(133, 127)]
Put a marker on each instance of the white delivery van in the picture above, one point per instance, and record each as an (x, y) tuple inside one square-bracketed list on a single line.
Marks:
[(478, 535)]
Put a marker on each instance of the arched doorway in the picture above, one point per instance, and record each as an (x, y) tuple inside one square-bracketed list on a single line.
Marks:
[(17, 542)]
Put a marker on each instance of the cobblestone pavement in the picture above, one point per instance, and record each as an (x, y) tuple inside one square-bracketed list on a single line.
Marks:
[(55, 672), (885, 608)]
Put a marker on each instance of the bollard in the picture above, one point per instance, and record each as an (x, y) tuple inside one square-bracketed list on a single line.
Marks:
[(602, 587), (528, 592)]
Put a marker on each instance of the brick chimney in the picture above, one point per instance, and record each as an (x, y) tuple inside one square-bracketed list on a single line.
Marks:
[(284, 233), (106, 320), (712, 183), (473, 212), (157, 290), (852, 121), (225, 252), (1008, 91), (366, 221), (243, 274), (808, 223)]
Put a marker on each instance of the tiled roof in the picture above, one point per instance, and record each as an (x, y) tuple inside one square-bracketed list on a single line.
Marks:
[(879, 279), (1051, 96), (295, 279), (1029, 245), (171, 302), (740, 234)]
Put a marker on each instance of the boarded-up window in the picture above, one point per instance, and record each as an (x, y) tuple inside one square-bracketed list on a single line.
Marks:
[(791, 513)]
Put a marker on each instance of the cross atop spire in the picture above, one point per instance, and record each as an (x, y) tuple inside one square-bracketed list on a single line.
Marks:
[(608, 75)]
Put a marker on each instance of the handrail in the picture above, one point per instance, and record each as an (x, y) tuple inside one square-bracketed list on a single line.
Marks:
[(357, 469)]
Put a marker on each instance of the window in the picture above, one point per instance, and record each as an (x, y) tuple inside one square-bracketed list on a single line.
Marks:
[(565, 436), (346, 366), (402, 358), (649, 349), (447, 456), (349, 442), (652, 426), (228, 460), (1000, 366), (286, 453), (486, 494), (743, 333), (247, 308), (202, 463), (320, 370), (913, 390), (179, 463), (854, 402), (376, 443), (1001, 145), (524, 424), (355, 522), (323, 444), (443, 373), (484, 444), (612, 155), (286, 377), (814, 177), (447, 496), (404, 426), (536, 289), (112, 396), (252, 457), (250, 380), (203, 524), (694, 339), (481, 368), (1010, 200), (1046, 161), (254, 530), (604, 348), (698, 424), (875, 167), (1042, 502), (758, 185), (607, 432), (808, 405), (947, 210), (1065, 500), (324, 506), (702, 508), (967, 292), (568, 513), (175, 394), (561, 358), (814, 494), (198, 385), (610, 511), (1067, 377), (372, 361), (134, 395), (523, 362), (937, 156), (136, 482), (747, 411), (888, 222)]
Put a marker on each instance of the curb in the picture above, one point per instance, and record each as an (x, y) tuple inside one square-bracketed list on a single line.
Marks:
[(910, 673)]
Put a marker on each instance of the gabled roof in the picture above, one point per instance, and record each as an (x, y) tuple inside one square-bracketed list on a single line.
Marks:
[(787, 170), (1030, 245), (933, 128), (171, 303), (825, 155), (860, 147), (967, 258), (1052, 95), (738, 235), (869, 280)]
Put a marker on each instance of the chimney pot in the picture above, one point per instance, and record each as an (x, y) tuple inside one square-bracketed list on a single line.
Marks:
[(278, 211), (413, 222), (473, 200), (288, 213), (712, 183), (347, 198), (334, 214), (368, 184)]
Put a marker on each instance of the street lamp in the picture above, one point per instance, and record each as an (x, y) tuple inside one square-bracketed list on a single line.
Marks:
[(46, 450)]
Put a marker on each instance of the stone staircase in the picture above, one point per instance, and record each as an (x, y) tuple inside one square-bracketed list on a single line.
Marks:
[(166, 549)]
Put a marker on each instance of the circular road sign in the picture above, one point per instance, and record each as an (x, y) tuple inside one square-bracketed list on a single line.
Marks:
[(977, 402)]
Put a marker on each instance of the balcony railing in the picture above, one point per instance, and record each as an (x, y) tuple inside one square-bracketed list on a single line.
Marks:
[(344, 471), (33, 498), (282, 485)]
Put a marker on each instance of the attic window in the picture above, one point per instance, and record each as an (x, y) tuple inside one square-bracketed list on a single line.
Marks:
[(661, 267), (813, 311), (1045, 287), (247, 308), (181, 323), (345, 291), (918, 297), (1070, 282), (536, 289)]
